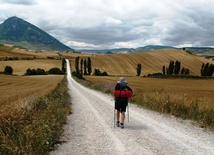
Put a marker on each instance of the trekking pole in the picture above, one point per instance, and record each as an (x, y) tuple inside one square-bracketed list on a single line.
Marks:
[(114, 117), (128, 112)]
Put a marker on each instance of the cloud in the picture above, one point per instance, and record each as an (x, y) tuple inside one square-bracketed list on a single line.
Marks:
[(18, 2), (110, 23)]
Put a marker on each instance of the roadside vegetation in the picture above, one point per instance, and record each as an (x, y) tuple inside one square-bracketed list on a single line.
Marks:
[(36, 128), (174, 102)]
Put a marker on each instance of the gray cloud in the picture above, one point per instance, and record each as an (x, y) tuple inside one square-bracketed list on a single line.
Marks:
[(196, 29), (110, 23), (19, 2)]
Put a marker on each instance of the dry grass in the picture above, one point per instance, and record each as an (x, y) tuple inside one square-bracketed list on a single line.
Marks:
[(36, 130), (190, 89), (185, 98)]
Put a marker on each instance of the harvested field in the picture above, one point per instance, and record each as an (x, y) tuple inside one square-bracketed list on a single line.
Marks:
[(16, 90), (152, 62), (20, 66), (22, 53)]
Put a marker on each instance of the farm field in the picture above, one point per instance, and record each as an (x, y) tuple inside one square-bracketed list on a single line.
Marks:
[(190, 89), (152, 62), (17, 91), (20, 66), (124, 65)]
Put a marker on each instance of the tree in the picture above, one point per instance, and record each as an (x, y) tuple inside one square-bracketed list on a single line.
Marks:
[(183, 70), (211, 70), (207, 70), (85, 67), (81, 66), (55, 71), (89, 66), (63, 65), (171, 67), (164, 70), (187, 71), (8, 70), (139, 69), (177, 67), (77, 64)]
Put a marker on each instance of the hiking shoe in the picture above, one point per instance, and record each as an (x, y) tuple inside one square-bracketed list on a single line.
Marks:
[(121, 125), (118, 124)]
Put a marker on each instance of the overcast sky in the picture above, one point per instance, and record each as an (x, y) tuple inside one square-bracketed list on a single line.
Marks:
[(99, 24)]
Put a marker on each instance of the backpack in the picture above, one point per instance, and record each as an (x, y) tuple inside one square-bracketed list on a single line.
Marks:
[(123, 92)]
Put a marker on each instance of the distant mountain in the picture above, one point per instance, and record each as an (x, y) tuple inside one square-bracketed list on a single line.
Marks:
[(207, 52), (129, 50), (19, 32)]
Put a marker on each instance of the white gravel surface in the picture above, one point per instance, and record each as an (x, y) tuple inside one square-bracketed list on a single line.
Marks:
[(90, 129)]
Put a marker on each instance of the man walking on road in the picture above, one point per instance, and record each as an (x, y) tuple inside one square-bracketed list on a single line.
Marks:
[(122, 92)]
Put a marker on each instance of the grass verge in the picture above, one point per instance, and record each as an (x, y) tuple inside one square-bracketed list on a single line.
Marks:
[(174, 104), (35, 130), (178, 105)]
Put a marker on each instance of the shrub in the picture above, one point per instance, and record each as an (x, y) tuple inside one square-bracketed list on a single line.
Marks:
[(55, 71), (77, 75), (97, 72), (8, 70), (38, 71)]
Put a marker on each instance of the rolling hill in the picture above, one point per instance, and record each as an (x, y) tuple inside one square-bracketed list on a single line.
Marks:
[(19, 32), (152, 62)]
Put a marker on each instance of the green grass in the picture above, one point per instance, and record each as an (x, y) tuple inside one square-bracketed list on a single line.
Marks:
[(37, 129)]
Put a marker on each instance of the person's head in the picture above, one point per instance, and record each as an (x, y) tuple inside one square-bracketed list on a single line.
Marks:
[(122, 80)]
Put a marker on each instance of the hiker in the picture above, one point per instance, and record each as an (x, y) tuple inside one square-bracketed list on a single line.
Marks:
[(121, 93)]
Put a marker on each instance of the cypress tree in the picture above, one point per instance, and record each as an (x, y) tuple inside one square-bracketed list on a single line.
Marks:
[(164, 70), (177, 67), (63, 65), (202, 70), (81, 66), (89, 66), (77, 64), (139, 69), (171, 67), (85, 67)]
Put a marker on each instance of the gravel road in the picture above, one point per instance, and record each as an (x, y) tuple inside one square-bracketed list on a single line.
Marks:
[(90, 129)]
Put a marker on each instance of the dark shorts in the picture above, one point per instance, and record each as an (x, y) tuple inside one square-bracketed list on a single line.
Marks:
[(121, 104)]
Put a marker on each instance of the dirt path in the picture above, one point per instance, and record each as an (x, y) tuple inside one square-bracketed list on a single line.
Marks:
[(90, 130)]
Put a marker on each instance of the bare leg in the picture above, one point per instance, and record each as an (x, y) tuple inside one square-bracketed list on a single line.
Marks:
[(122, 117), (118, 115)]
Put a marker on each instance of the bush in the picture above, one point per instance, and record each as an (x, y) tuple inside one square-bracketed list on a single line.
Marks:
[(8, 70), (77, 75), (38, 71), (55, 71), (97, 72)]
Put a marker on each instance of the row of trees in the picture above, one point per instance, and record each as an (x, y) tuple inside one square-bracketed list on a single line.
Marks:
[(82, 67), (207, 70), (40, 71), (175, 68)]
